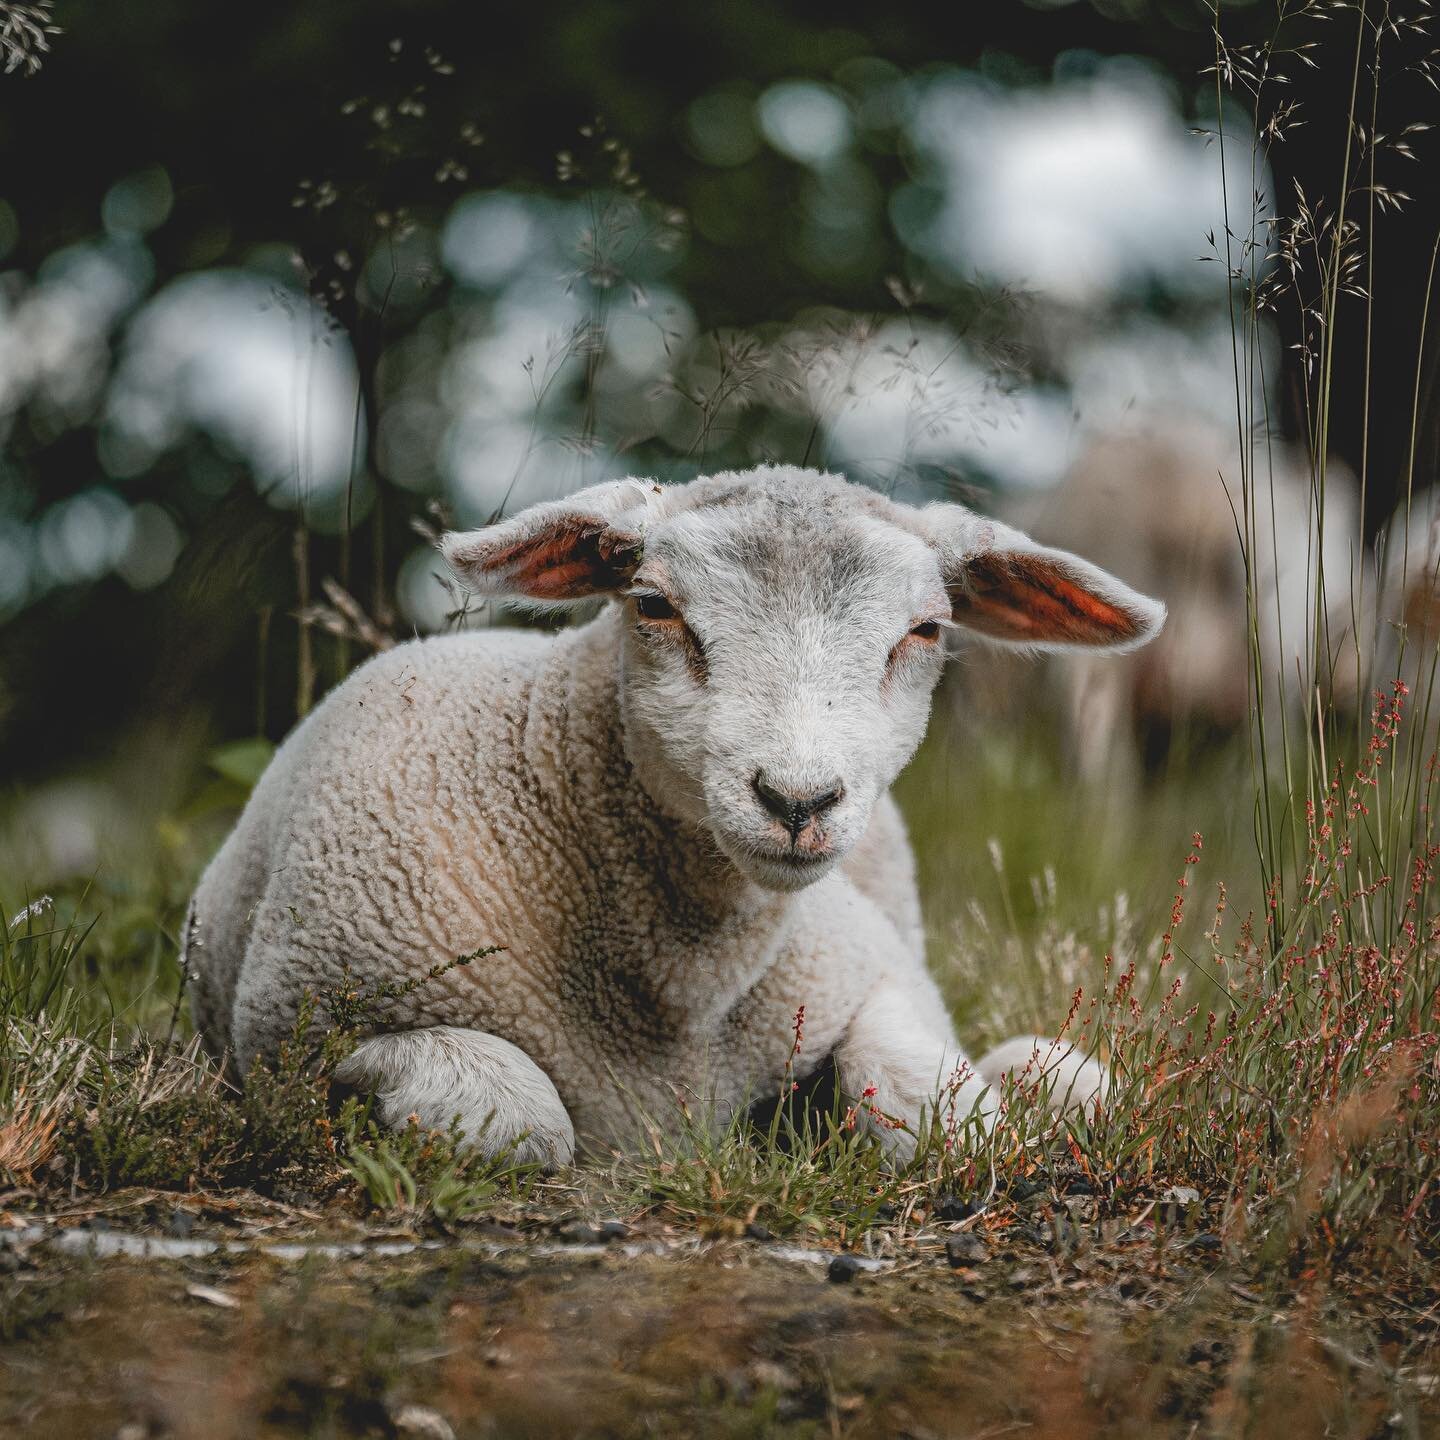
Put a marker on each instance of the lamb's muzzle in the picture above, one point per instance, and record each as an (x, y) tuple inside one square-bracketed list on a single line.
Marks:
[(795, 808)]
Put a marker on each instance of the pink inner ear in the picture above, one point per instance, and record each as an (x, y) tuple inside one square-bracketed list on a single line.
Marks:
[(567, 560), (1028, 597)]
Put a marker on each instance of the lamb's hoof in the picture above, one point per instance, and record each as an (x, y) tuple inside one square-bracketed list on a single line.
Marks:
[(1074, 1081)]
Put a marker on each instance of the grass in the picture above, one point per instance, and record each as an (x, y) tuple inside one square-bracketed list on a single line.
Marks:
[(95, 1102), (417, 1172), (1286, 1075)]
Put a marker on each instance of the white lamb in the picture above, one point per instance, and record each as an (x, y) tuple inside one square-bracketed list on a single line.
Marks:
[(1168, 501), (1408, 603), (675, 818)]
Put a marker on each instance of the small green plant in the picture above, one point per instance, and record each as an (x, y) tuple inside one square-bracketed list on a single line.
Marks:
[(807, 1173), (354, 1004), (37, 960), (415, 1172), (171, 1119), (795, 1161)]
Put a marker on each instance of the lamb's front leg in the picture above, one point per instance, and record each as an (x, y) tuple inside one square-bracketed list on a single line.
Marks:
[(1069, 1079), (900, 1044), (504, 1100), (898, 1059)]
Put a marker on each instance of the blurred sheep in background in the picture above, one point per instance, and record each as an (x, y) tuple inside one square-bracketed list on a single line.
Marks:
[(1407, 603), (1164, 507)]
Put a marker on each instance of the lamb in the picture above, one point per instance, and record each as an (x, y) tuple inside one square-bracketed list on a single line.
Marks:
[(1407, 605), (1169, 504), (675, 818)]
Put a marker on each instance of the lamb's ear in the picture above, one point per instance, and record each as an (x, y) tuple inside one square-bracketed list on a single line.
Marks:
[(1009, 589), (562, 550)]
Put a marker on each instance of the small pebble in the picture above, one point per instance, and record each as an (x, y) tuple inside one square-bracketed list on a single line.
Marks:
[(497, 1230), (951, 1208), (578, 1232), (844, 1268), (1182, 1195), (963, 1250), (422, 1421), (768, 1375), (211, 1296), (422, 1289)]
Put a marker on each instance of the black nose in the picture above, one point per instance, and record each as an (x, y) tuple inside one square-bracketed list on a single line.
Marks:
[(793, 810)]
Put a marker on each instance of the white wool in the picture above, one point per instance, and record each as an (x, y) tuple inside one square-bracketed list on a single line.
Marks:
[(1406, 603), (591, 802)]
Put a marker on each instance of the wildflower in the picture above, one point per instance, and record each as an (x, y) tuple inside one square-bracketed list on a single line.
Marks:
[(32, 911)]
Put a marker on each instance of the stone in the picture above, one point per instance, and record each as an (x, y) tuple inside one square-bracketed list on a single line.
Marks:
[(961, 1250), (421, 1421)]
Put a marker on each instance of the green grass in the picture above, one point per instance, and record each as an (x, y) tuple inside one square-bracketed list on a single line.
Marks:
[(417, 1173), (1287, 1073), (90, 1098)]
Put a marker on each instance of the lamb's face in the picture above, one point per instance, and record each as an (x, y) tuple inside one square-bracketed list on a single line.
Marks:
[(783, 633), (778, 665)]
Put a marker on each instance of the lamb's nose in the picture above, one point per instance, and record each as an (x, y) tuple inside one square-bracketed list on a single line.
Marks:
[(794, 809)]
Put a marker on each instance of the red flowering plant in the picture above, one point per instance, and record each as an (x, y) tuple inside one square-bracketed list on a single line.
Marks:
[(1286, 1068)]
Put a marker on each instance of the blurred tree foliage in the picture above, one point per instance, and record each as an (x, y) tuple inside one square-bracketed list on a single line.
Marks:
[(338, 125)]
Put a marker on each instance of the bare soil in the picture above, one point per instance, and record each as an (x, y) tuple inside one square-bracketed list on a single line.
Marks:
[(228, 1317)]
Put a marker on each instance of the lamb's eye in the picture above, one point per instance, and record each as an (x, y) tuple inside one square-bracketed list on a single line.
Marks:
[(926, 630), (650, 606)]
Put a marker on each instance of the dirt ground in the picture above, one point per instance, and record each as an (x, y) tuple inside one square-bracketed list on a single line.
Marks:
[(220, 1320)]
